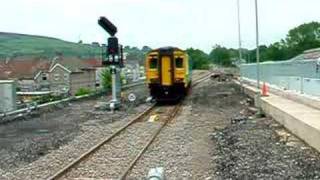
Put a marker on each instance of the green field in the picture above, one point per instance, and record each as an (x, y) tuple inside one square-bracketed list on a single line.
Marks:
[(13, 45)]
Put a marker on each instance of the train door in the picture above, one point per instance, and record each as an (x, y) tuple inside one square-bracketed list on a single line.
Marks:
[(166, 71)]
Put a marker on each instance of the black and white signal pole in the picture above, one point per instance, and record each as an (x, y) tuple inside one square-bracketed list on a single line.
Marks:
[(114, 59)]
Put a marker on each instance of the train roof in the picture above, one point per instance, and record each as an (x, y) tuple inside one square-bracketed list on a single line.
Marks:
[(167, 48)]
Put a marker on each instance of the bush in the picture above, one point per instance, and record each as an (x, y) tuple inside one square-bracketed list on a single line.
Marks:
[(46, 99), (106, 79), (200, 60), (83, 91)]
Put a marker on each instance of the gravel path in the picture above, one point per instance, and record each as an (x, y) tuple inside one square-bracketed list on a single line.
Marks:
[(38, 146), (113, 158), (184, 147), (217, 137), (262, 149), (52, 162)]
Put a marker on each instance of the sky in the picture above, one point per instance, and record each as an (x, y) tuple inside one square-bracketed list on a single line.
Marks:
[(182, 23)]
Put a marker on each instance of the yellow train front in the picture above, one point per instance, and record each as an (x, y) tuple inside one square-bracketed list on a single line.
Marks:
[(168, 73)]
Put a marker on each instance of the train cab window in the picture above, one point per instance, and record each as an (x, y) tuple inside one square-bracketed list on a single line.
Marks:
[(153, 63), (179, 62)]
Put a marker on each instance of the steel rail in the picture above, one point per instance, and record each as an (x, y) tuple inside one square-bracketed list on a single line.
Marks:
[(96, 147), (202, 78), (85, 155), (172, 115)]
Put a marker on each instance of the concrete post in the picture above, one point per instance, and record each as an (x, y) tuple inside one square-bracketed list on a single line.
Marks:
[(301, 85)]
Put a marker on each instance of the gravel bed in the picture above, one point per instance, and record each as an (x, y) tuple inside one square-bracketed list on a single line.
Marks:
[(23, 141), (112, 159), (40, 144), (93, 132), (184, 147), (262, 149)]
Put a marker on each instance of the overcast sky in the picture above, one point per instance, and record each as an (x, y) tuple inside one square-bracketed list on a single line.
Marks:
[(182, 23)]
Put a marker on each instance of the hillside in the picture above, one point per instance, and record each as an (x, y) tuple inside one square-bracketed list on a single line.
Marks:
[(29, 45)]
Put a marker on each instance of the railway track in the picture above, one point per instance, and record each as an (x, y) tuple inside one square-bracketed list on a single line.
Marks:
[(137, 140)]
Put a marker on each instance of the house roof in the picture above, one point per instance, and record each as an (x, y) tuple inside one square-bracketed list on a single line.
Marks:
[(78, 65), (22, 68), (93, 62), (29, 68), (61, 66)]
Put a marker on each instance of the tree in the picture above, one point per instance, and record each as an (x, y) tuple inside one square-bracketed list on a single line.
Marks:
[(299, 39), (135, 54), (303, 37), (200, 60), (263, 50), (277, 52), (221, 56), (145, 49)]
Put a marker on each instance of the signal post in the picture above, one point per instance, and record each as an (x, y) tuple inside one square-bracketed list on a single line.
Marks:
[(113, 58)]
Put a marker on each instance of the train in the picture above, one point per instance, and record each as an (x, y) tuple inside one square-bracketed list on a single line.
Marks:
[(168, 73)]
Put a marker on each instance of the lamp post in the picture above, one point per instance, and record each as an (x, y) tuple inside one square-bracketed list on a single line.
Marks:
[(258, 96), (240, 44), (239, 31), (257, 43)]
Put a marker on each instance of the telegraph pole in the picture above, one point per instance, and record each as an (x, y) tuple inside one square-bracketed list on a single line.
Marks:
[(257, 43), (258, 100), (240, 44), (239, 31)]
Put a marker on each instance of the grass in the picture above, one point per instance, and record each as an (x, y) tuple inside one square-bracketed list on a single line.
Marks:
[(12, 45)]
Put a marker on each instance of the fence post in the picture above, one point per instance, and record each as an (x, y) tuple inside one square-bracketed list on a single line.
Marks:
[(301, 84)]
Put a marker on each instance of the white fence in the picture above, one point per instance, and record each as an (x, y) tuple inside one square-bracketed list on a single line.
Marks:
[(301, 76)]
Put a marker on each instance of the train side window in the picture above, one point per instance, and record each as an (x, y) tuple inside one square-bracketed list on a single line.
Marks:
[(153, 63), (179, 62)]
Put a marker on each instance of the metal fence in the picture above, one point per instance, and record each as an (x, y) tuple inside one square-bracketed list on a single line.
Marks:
[(33, 106), (298, 75)]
